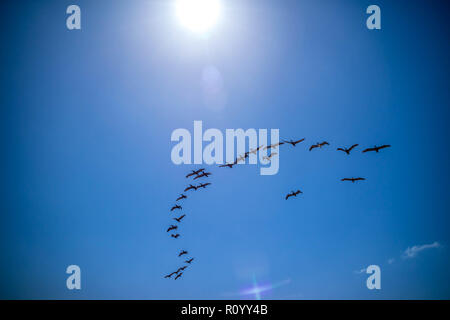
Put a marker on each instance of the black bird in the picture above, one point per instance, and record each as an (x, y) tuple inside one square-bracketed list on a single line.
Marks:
[(176, 207), (170, 275), (178, 275), (241, 158), (376, 149), (190, 260), (318, 145), (269, 157), (229, 165), (347, 151), (353, 179), (179, 218), (181, 269), (274, 145), (172, 227), (195, 172), (256, 150), (203, 185), (294, 142), (175, 235), (190, 187), (293, 194), (204, 174), (182, 252), (182, 196)]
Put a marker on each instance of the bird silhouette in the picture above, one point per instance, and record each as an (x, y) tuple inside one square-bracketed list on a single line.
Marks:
[(182, 252), (353, 179), (175, 235), (179, 218), (203, 185), (229, 165), (254, 151), (181, 269), (204, 174), (176, 207), (194, 173), (172, 227), (376, 149), (170, 275), (318, 145), (190, 260), (347, 151), (273, 145), (293, 194), (294, 142), (178, 275), (190, 187), (269, 157), (182, 196)]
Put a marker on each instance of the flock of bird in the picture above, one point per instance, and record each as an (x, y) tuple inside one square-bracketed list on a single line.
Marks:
[(201, 173), (294, 143)]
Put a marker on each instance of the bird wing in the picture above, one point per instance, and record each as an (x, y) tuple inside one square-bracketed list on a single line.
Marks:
[(368, 149), (340, 149), (312, 147), (384, 146), (353, 146)]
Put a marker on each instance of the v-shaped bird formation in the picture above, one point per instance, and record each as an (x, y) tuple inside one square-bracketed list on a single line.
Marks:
[(201, 173)]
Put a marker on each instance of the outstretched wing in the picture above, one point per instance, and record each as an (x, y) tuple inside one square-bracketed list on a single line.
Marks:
[(312, 147), (384, 146), (368, 149), (340, 149), (353, 146)]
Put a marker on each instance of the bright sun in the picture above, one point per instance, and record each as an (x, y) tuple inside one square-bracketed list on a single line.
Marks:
[(198, 15)]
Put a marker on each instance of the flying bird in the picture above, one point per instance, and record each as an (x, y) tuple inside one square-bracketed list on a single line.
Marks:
[(269, 157), (229, 165), (203, 174), (175, 235), (182, 196), (318, 145), (190, 187), (182, 252), (181, 269), (178, 275), (170, 275), (241, 158), (353, 179), (179, 218), (273, 145), (172, 227), (195, 172), (190, 260), (293, 194), (376, 149), (294, 142), (347, 151), (176, 207), (203, 185)]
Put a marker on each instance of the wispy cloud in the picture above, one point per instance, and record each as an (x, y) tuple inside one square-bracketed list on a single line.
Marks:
[(413, 251)]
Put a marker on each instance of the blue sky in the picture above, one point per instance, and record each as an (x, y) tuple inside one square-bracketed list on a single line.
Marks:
[(88, 180)]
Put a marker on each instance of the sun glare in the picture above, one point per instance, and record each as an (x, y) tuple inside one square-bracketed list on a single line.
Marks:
[(198, 15)]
